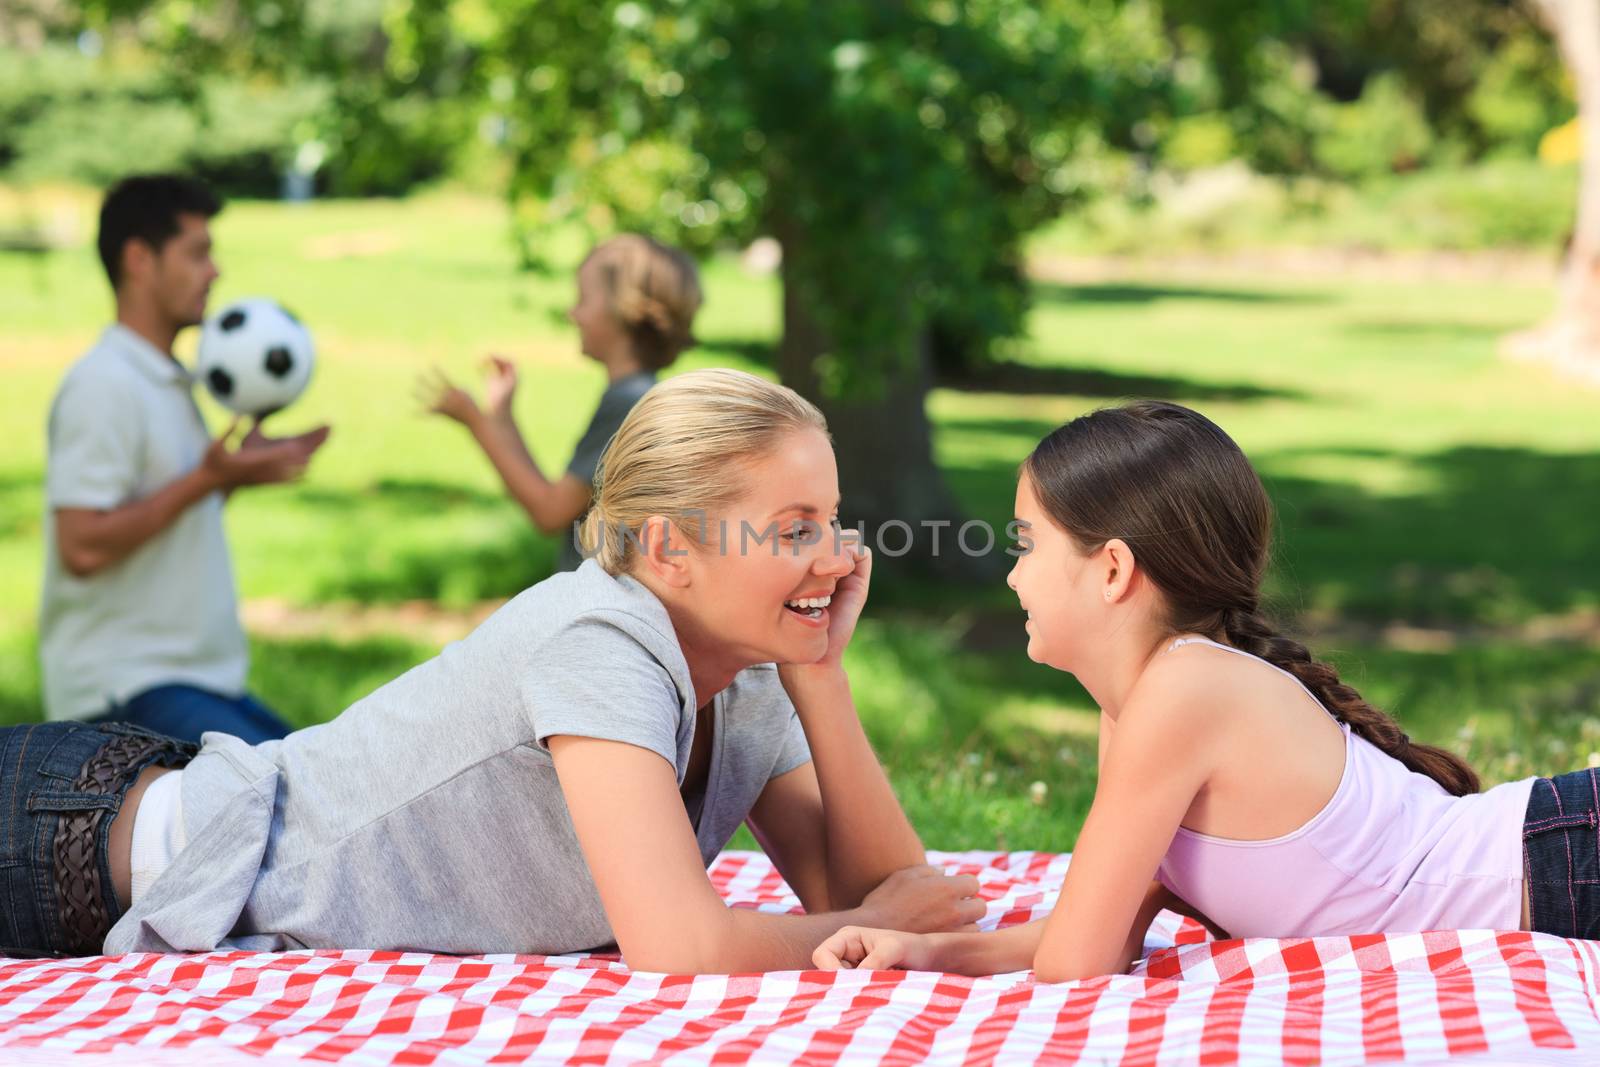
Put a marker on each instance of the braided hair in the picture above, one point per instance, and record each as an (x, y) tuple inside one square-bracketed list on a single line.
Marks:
[(1172, 485)]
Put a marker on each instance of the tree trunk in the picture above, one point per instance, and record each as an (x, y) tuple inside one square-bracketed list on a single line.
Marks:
[(890, 485), (1571, 338)]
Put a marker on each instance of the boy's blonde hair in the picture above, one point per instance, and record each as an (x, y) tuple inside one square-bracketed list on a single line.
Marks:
[(654, 290)]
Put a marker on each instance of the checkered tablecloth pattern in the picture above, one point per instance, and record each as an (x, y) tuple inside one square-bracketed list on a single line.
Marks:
[(1477, 997)]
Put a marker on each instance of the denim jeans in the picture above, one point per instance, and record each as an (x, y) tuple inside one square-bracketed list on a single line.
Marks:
[(55, 817), (186, 712), (1561, 847)]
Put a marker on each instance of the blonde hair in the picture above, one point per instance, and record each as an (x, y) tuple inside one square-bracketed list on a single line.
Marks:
[(684, 448), (654, 290)]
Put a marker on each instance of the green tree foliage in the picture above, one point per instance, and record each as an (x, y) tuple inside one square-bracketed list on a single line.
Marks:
[(67, 114), (1486, 72), (405, 88), (1381, 133), (383, 92), (900, 151), (1482, 75)]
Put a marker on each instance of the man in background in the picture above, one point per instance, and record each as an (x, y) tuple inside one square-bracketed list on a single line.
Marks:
[(139, 619)]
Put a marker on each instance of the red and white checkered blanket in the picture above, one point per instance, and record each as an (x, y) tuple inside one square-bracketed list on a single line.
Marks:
[(1455, 996)]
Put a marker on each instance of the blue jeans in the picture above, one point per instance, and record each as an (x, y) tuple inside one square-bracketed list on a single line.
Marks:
[(1561, 847), (61, 784), (186, 712)]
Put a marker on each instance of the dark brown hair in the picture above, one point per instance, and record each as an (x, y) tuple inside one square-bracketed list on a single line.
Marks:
[(146, 208), (1168, 482)]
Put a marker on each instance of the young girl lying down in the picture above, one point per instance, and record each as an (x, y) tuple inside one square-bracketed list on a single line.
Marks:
[(1241, 782)]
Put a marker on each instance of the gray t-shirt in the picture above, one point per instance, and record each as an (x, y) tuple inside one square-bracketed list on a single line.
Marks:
[(615, 403), (428, 815), (124, 425)]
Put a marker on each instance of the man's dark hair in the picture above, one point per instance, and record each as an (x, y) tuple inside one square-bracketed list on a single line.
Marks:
[(146, 207)]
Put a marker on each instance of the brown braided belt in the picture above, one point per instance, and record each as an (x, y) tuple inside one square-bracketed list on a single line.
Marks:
[(80, 892)]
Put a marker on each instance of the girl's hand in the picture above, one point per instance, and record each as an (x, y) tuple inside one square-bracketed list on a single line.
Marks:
[(863, 949), (441, 396), (500, 385)]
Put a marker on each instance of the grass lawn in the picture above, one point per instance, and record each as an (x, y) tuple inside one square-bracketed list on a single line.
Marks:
[(1420, 480)]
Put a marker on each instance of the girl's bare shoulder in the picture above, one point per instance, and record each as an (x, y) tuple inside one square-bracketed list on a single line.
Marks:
[(1201, 683)]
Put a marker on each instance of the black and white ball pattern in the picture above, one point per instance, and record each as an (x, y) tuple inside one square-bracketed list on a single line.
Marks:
[(255, 357)]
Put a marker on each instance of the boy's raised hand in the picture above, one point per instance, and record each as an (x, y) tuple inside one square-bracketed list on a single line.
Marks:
[(500, 385), (439, 395)]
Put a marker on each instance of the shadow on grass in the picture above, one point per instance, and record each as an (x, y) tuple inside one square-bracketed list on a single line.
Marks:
[(1026, 380), (1137, 293), (447, 569), (1085, 381), (20, 697), (455, 576), (21, 513), (1510, 709), (312, 679), (762, 353), (1495, 537), (1405, 329), (403, 494), (308, 680), (1499, 535)]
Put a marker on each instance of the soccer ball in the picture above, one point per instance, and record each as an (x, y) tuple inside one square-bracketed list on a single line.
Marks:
[(255, 357)]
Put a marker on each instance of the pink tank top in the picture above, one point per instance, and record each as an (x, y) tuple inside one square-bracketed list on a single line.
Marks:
[(1391, 852)]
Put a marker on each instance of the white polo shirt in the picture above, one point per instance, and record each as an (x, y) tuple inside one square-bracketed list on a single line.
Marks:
[(123, 425)]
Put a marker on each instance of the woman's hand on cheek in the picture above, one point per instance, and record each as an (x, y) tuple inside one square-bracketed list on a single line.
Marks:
[(849, 597), (844, 610)]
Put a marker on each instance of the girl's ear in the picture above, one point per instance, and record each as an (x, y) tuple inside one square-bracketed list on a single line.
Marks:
[(664, 550), (1119, 564)]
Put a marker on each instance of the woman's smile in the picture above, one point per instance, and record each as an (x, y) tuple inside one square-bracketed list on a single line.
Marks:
[(812, 610)]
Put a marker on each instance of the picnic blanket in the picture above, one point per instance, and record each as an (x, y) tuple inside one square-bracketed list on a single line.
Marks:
[(1476, 997)]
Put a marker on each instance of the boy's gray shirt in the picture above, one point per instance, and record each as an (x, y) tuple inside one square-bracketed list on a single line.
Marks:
[(428, 815), (615, 403)]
